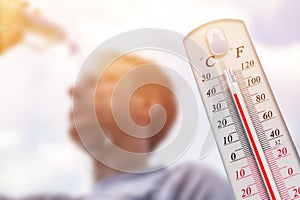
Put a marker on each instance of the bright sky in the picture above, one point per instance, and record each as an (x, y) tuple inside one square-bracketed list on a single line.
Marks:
[(36, 153)]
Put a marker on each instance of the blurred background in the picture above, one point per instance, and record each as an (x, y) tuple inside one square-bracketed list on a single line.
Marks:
[(52, 40)]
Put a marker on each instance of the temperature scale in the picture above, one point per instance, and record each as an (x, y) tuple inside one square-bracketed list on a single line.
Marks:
[(257, 150)]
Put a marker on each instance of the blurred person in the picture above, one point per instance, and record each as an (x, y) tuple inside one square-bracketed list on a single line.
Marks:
[(189, 181)]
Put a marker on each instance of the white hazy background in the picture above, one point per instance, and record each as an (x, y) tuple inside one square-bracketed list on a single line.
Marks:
[(37, 156)]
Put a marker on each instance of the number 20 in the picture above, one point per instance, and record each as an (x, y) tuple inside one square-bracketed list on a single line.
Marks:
[(246, 192)]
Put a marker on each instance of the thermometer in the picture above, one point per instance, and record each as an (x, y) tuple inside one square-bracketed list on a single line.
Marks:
[(257, 150)]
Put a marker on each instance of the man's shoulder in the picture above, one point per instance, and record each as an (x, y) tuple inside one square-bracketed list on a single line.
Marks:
[(195, 181), (195, 169)]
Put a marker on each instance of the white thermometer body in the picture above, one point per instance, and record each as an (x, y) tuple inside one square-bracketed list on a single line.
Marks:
[(255, 145)]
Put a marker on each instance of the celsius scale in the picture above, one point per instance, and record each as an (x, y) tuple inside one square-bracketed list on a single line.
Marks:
[(257, 150)]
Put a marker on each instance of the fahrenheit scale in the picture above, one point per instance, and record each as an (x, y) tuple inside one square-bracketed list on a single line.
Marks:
[(255, 145)]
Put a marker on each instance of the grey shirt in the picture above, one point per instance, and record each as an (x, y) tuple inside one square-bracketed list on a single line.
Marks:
[(185, 182)]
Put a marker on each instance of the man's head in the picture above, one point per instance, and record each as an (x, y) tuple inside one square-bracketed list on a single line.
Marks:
[(139, 104)]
